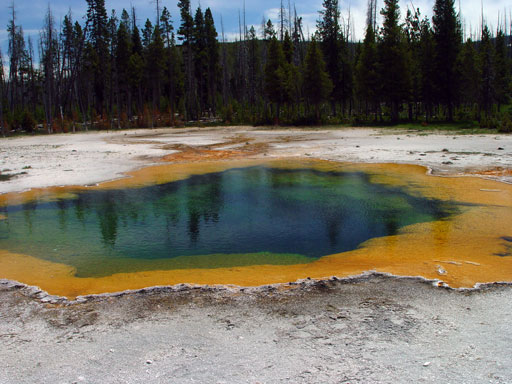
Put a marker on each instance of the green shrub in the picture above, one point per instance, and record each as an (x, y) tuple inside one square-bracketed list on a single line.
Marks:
[(28, 123), (505, 125)]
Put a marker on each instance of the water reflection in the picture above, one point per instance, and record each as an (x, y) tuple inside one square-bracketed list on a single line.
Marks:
[(239, 211)]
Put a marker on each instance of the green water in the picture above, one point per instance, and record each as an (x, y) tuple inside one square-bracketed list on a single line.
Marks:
[(248, 216)]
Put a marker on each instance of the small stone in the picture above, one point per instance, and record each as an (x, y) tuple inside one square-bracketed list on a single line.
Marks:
[(426, 364), (501, 149), (148, 362)]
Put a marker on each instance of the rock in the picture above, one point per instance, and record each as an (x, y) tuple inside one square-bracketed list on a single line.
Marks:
[(426, 364), (447, 163), (149, 362), (501, 149)]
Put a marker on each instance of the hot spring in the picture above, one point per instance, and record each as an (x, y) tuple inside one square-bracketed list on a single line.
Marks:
[(250, 223)]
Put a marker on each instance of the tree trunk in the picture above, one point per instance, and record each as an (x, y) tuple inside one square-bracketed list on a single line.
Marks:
[(450, 112)]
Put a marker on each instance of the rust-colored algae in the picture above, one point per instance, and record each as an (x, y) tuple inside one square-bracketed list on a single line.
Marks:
[(463, 250), (496, 171)]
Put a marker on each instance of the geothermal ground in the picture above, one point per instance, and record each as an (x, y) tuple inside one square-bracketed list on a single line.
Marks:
[(373, 329)]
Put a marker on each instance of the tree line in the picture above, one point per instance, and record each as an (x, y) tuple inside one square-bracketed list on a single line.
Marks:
[(111, 73)]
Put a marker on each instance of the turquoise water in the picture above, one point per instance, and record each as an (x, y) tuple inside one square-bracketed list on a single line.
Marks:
[(255, 215)]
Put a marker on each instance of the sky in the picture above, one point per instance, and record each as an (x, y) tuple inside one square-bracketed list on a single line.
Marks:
[(30, 13)]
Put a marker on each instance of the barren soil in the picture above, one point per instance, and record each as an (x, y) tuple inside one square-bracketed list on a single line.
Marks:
[(371, 330), (374, 329), (88, 158)]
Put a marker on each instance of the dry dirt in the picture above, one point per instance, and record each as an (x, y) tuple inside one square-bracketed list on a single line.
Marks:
[(373, 329)]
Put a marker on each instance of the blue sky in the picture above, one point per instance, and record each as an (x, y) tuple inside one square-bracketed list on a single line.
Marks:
[(30, 13)]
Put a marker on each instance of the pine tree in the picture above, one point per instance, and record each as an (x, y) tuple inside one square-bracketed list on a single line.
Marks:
[(254, 61), (288, 48), (2, 95), (78, 71), (123, 53), (502, 81), (367, 76), (98, 55), (174, 81), (292, 75), (317, 84), (185, 34), (393, 60), (17, 54), (200, 60), (448, 38), (137, 47), (147, 34), (49, 50), (136, 67), (427, 68), (276, 77), (335, 52), (487, 91), (470, 74), (269, 32), (67, 59), (113, 83), (156, 66), (413, 38), (212, 53)]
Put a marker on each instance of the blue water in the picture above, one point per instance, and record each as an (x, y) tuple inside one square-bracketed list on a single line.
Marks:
[(255, 215)]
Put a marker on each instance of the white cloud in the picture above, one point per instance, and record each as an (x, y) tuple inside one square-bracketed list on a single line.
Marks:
[(30, 13), (272, 14)]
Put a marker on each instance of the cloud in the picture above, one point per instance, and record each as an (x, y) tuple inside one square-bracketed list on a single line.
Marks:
[(30, 13)]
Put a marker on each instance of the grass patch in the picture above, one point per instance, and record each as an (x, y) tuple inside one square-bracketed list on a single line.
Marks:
[(6, 177), (460, 128)]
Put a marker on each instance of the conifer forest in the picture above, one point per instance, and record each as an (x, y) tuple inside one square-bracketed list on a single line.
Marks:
[(107, 71)]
